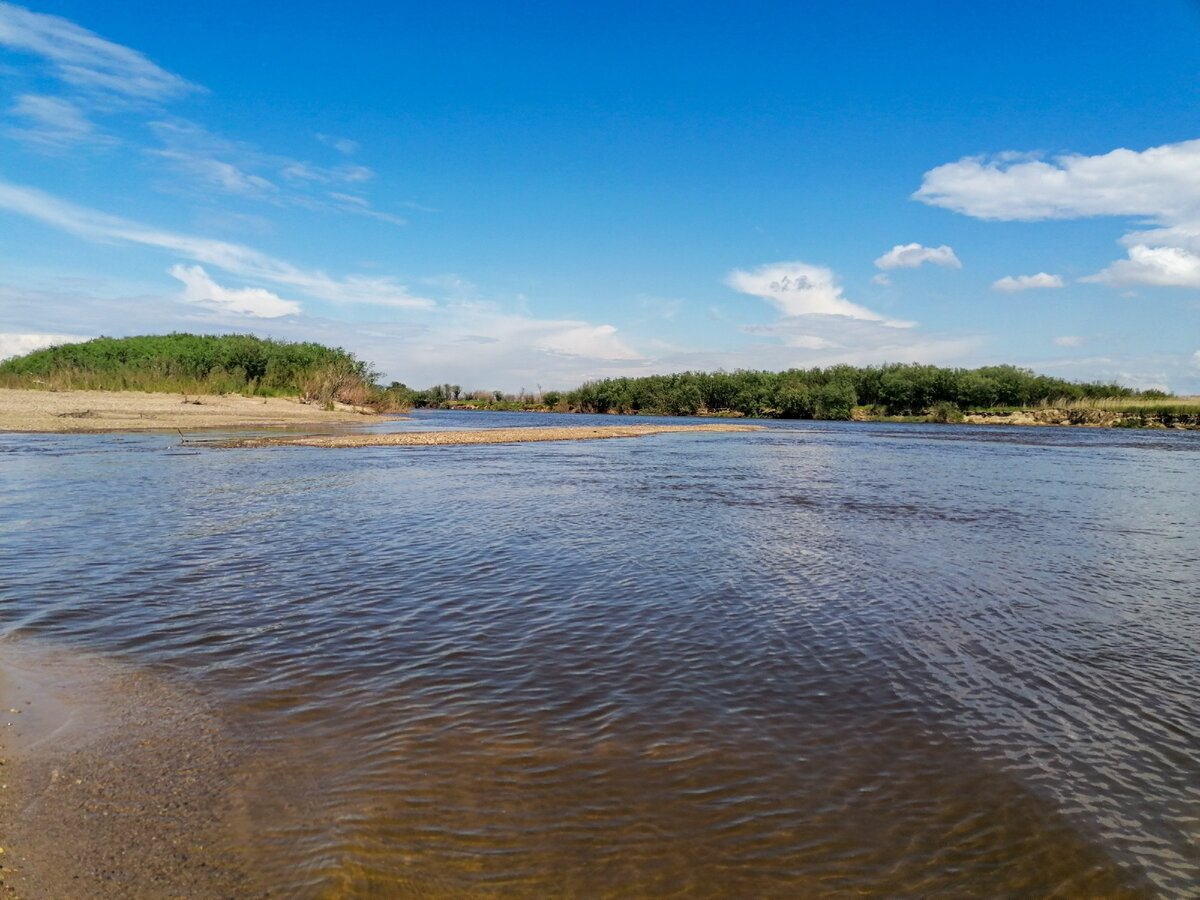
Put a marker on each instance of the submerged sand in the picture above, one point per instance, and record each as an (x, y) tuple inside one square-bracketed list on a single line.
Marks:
[(483, 436), (101, 411), (114, 783)]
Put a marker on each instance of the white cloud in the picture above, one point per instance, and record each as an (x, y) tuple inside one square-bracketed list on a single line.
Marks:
[(198, 287), (1161, 182), (800, 289), (590, 341), (236, 259), (12, 344), (831, 340), (361, 206), (348, 174), (881, 279), (910, 256), (85, 60), (1156, 266), (1010, 284), (216, 173), (54, 122), (1069, 340)]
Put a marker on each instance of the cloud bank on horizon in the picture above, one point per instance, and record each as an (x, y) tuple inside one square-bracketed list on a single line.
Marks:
[(201, 228)]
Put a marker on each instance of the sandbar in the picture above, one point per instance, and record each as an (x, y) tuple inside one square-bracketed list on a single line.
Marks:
[(113, 783), (482, 436), (91, 412)]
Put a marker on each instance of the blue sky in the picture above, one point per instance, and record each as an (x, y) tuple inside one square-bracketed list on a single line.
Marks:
[(532, 195)]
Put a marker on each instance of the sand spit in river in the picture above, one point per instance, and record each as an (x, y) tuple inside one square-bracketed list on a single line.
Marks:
[(115, 784), (99, 411), (484, 436)]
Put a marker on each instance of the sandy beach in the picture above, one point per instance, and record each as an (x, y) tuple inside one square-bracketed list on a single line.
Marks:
[(90, 412)]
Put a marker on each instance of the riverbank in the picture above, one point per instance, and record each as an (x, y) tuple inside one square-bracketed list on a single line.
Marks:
[(114, 783), (90, 412), (484, 436)]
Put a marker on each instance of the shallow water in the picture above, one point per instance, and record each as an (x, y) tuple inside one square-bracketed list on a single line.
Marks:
[(823, 659)]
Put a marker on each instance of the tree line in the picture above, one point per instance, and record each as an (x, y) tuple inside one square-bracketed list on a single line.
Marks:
[(833, 393)]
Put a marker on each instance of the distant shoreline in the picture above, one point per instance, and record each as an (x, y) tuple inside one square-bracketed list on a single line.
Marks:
[(31, 411)]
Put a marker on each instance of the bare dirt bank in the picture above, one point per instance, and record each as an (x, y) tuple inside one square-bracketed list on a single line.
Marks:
[(99, 411), (484, 436), (114, 784)]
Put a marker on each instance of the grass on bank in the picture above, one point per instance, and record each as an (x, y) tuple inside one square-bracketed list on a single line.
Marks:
[(206, 364), (1140, 406)]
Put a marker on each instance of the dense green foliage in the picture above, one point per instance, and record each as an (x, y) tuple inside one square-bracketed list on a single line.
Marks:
[(892, 390), (198, 364)]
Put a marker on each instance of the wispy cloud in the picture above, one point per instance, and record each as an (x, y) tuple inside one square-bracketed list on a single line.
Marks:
[(236, 259), (98, 78), (799, 289), (87, 61), (910, 256), (1070, 340), (344, 146), (54, 122), (1010, 284), (344, 174), (260, 303), (216, 173), (831, 340)]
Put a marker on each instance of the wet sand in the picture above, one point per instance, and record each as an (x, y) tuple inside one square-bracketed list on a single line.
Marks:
[(483, 436), (115, 784), (89, 412)]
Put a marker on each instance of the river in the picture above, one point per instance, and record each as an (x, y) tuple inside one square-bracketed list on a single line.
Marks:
[(824, 659)]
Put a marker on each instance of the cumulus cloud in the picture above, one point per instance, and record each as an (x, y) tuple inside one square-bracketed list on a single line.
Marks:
[(800, 289), (16, 344), (910, 256), (1069, 340), (1010, 284), (1155, 266), (85, 60), (1161, 184), (260, 303), (236, 259)]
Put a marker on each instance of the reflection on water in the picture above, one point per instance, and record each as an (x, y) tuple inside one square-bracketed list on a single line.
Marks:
[(817, 660)]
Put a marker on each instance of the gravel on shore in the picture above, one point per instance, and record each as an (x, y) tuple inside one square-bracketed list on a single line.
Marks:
[(483, 436)]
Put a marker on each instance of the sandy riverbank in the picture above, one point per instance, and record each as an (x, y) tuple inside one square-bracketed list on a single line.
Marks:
[(99, 411), (484, 436), (115, 784)]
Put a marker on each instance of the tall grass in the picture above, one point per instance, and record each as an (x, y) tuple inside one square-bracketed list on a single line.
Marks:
[(204, 364)]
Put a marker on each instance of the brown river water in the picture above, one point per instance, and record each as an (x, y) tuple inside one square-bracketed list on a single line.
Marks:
[(819, 660)]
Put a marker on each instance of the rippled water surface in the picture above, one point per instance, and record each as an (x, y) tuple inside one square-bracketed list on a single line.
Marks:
[(816, 660)]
